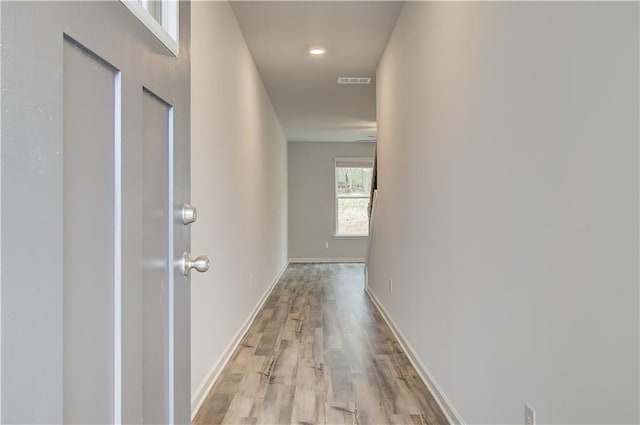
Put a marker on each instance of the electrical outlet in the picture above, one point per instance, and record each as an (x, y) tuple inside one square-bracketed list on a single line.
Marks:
[(390, 286), (529, 415), (251, 282), (326, 244)]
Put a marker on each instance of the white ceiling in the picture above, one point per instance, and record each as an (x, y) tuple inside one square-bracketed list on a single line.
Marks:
[(310, 104)]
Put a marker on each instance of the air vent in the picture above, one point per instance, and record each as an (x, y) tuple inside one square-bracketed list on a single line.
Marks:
[(354, 80)]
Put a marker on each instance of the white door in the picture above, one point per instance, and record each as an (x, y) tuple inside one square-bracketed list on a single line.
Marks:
[(94, 173)]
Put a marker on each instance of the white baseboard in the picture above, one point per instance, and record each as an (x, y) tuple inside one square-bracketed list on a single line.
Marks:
[(198, 397), (325, 260), (443, 401), (366, 276)]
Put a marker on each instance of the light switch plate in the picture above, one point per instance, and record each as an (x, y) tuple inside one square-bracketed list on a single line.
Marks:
[(529, 415)]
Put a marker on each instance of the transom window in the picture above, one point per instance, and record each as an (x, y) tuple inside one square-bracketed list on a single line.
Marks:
[(353, 189), (160, 17)]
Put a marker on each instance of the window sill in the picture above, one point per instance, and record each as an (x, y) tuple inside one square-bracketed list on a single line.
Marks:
[(350, 236)]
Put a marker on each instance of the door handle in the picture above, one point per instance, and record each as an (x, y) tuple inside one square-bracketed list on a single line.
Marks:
[(200, 263)]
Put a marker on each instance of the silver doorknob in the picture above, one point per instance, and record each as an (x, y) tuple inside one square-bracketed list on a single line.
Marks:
[(200, 263), (189, 214)]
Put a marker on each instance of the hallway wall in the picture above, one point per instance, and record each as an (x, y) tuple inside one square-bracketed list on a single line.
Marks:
[(239, 185), (507, 214), (312, 210)]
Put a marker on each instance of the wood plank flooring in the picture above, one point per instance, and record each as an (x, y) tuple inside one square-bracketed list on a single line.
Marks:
[(319, 353)]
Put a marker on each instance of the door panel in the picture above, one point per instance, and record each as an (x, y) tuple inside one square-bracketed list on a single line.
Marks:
[(156, 268), (95, 312), (89, 145)]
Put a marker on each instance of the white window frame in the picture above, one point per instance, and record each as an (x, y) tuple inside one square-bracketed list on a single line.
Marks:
[(357, 163), (167, 31)]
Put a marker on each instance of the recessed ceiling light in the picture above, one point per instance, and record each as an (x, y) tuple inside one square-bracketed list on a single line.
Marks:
[(317, 51)]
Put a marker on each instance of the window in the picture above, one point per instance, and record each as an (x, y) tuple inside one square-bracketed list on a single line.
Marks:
[(353, 189), (160, 17)]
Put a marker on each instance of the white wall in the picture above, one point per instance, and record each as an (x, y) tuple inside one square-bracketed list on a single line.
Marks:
[(238, 183), (508, 205), (312, 200)]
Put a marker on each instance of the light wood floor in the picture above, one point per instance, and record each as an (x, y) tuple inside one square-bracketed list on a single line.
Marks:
[(319, 353)]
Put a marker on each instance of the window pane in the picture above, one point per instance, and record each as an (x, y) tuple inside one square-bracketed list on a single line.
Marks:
[(352, 216), (354, 180)]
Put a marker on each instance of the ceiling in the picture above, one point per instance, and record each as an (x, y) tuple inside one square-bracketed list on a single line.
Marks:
[(303, 88)]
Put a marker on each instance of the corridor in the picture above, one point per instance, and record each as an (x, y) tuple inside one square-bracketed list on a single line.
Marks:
[(319, 352)]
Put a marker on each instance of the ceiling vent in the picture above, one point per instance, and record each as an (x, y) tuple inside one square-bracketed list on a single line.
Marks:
[(354, 80)]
